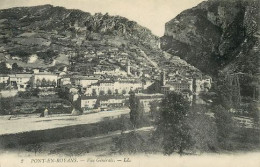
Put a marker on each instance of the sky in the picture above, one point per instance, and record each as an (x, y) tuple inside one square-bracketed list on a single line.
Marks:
[(152, 14)]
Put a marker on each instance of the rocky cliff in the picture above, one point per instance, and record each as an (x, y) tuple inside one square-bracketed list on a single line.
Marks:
[(216, 35), (45, 32)]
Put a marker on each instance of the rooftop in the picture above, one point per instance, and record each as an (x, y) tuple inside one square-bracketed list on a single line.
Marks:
[(45, 73), (20, 75), (88, 77)]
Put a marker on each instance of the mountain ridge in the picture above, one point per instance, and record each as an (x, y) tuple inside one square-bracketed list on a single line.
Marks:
[(45, 30)]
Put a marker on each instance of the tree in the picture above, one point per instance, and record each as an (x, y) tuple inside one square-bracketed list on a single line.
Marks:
[(2, 86), (36, 92), (130, 143), (223, 121), (140, 111), (7, 105), (16, 68), (38, 83), (4, 69), (101, 93), (94, 92), (254, 113), (203, 129), (228, 89), (109, 92), (154, 109), (116, 91), (49, 83), (44, 82), (36, 147), (136, 110), (133, 108), (172, 125), (54, 83)]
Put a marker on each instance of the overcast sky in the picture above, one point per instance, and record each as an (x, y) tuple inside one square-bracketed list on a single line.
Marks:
[(152, 14)]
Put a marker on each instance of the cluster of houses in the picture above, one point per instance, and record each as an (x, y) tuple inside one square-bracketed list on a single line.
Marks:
[(192, 86), (107, 86), (25, 81)]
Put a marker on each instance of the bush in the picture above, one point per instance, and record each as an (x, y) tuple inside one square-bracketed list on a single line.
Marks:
[(129, 143), (224, 122), (203, 131)]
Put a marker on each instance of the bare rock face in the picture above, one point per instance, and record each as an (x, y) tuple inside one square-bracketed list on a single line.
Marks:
[(216, 35)]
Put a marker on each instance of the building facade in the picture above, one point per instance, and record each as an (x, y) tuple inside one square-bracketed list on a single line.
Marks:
[(20, 81)]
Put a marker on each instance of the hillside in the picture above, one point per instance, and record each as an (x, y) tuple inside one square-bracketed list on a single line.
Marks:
[(44, 36), (216, 35)]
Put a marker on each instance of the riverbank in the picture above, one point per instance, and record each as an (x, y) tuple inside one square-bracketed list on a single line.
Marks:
[(33, 122)]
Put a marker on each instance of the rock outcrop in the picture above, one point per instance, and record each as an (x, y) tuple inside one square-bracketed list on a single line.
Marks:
[(216, 35)]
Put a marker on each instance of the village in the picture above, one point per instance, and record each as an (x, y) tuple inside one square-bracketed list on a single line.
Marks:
[(102, 88), (128, 79)]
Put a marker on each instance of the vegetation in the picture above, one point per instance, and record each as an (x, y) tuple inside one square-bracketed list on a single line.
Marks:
[(101, 93), (6, 105), (21, 53), (36, 148), (47, 56), (16, 68), (228, 90), (172, 125), (203, 130), (254, 112), (154, 109), (4, 69), (223, 121), (136, 110), (130, 143)]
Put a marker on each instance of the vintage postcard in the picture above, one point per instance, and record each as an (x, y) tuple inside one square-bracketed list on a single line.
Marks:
[(94, 83)]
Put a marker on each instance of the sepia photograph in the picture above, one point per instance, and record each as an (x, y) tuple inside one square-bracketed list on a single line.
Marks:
[(122, 83)]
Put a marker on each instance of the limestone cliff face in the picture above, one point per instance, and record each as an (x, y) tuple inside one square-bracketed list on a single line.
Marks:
[(59, 19), (216, 35), (45, 30)]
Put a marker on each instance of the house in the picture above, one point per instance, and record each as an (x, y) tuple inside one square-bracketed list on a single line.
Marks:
[(113, 87), (36, 70), (85, 81), (202, 84), (111, 101), (88, 102), (106, 70), (20, 81), (177, 86), (146, 99), (4, 78)]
